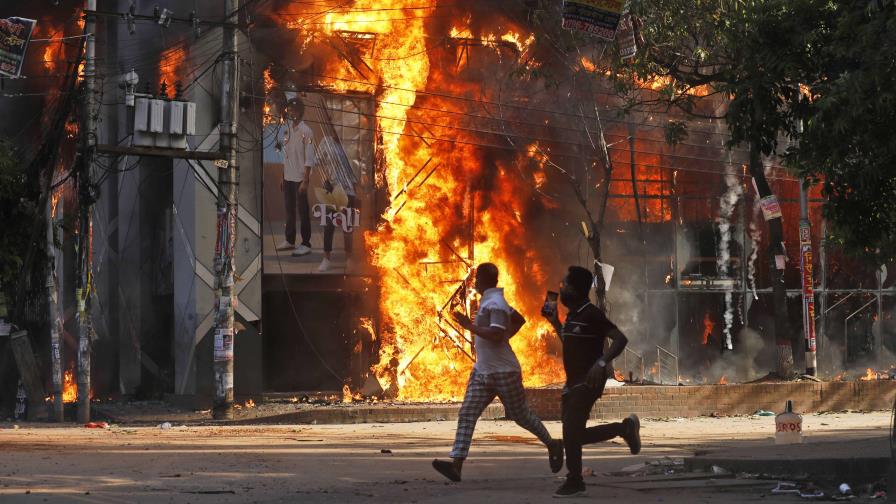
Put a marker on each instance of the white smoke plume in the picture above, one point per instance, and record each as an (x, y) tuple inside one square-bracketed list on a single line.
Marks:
[(727, 204)]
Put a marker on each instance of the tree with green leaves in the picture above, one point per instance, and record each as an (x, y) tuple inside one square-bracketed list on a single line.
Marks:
[(17, 214), (848, 145), (753, 53)]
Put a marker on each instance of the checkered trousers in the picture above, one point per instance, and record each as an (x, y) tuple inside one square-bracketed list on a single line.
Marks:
[(481, 391)]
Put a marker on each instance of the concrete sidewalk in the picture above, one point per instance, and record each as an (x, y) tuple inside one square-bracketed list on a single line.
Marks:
[(391, 462), (857, 458)]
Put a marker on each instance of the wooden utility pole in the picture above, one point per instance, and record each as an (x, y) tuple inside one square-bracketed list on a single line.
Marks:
[(228, 185), (85, 202)]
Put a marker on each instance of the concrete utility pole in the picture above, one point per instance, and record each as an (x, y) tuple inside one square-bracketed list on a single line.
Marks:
[(53, 307), (85, 201), (228, 185)]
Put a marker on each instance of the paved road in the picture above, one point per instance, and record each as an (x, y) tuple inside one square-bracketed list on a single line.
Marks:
[(344, 463)]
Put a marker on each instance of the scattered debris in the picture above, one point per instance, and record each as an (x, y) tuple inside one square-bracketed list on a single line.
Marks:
[(208, 492), (844, 493), (587, 471), (165, 425), (385, 450), (96, 425), (720, 470), (372, 387), (810, 491), (763, 413), (786, 487)]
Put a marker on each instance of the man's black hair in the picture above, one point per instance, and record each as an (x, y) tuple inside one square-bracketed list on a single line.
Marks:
[(296, 107), (580, 279), (487, 273)]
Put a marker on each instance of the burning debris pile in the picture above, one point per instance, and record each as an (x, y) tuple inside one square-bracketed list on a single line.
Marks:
[(869, 375)]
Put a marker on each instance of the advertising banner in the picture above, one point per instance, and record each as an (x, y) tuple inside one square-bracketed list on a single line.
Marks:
[(596, 17), (15, 34)]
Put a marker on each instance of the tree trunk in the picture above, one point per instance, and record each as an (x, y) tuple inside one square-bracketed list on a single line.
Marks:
[(776, 258), (600, 285)]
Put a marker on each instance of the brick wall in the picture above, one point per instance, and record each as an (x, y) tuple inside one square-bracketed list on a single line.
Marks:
[(690, 401)]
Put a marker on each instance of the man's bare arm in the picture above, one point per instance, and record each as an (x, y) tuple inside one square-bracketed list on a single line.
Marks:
[(495, 334), (618, 345), (598, 372), (491, 333)]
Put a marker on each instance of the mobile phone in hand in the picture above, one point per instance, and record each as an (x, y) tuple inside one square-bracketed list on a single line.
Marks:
[(550, 304)]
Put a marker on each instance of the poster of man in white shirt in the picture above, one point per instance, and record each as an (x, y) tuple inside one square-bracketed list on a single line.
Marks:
[(298, 159), (318, 160)]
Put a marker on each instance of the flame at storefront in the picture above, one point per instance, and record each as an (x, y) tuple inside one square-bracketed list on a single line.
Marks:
[(427, 225), (171, 68)]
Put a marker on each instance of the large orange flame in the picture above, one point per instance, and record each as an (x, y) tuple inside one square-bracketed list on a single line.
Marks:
[(171, 67), (423, 249), (69, 387), (708, 326)]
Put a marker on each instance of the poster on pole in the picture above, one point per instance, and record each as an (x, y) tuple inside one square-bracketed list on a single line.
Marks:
[(596, 17), (625, 38), (15, 34), (771, 209)]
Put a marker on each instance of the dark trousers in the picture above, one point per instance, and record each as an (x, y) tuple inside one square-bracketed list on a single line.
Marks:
[(330, 229), (576, 408), (292, 196)]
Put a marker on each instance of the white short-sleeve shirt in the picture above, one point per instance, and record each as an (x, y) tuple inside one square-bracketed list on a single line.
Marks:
[(494, 357), (298, 151)]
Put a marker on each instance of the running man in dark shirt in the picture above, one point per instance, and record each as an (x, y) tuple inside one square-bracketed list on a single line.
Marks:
[(587, 369)]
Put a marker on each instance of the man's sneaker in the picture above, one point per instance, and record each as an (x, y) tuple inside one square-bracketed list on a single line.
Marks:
[(324, 266), (632, 434), (555, 455), (285, 245), (301, 250), (446, 469), (571, 488)]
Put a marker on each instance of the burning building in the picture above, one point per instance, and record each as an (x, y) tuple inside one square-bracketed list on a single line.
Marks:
[(463, 132)]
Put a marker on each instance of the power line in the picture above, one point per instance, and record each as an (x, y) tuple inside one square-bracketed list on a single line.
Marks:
[(387, 20), (535, 125), (59, 39), (589, 158), (516, 135), (377, 9), (488, 102)]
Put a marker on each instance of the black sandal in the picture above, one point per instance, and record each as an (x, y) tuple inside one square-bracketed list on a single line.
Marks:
[(446, 469)]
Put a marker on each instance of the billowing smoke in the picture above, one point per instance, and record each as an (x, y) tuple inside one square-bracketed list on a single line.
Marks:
[(740, 366)]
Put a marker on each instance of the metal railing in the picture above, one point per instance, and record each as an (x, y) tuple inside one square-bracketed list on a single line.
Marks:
[(666, 360), (846, 330), (632, 361)]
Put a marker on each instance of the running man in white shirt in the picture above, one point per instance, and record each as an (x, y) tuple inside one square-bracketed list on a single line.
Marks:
[(298, 158), (497, 372)]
